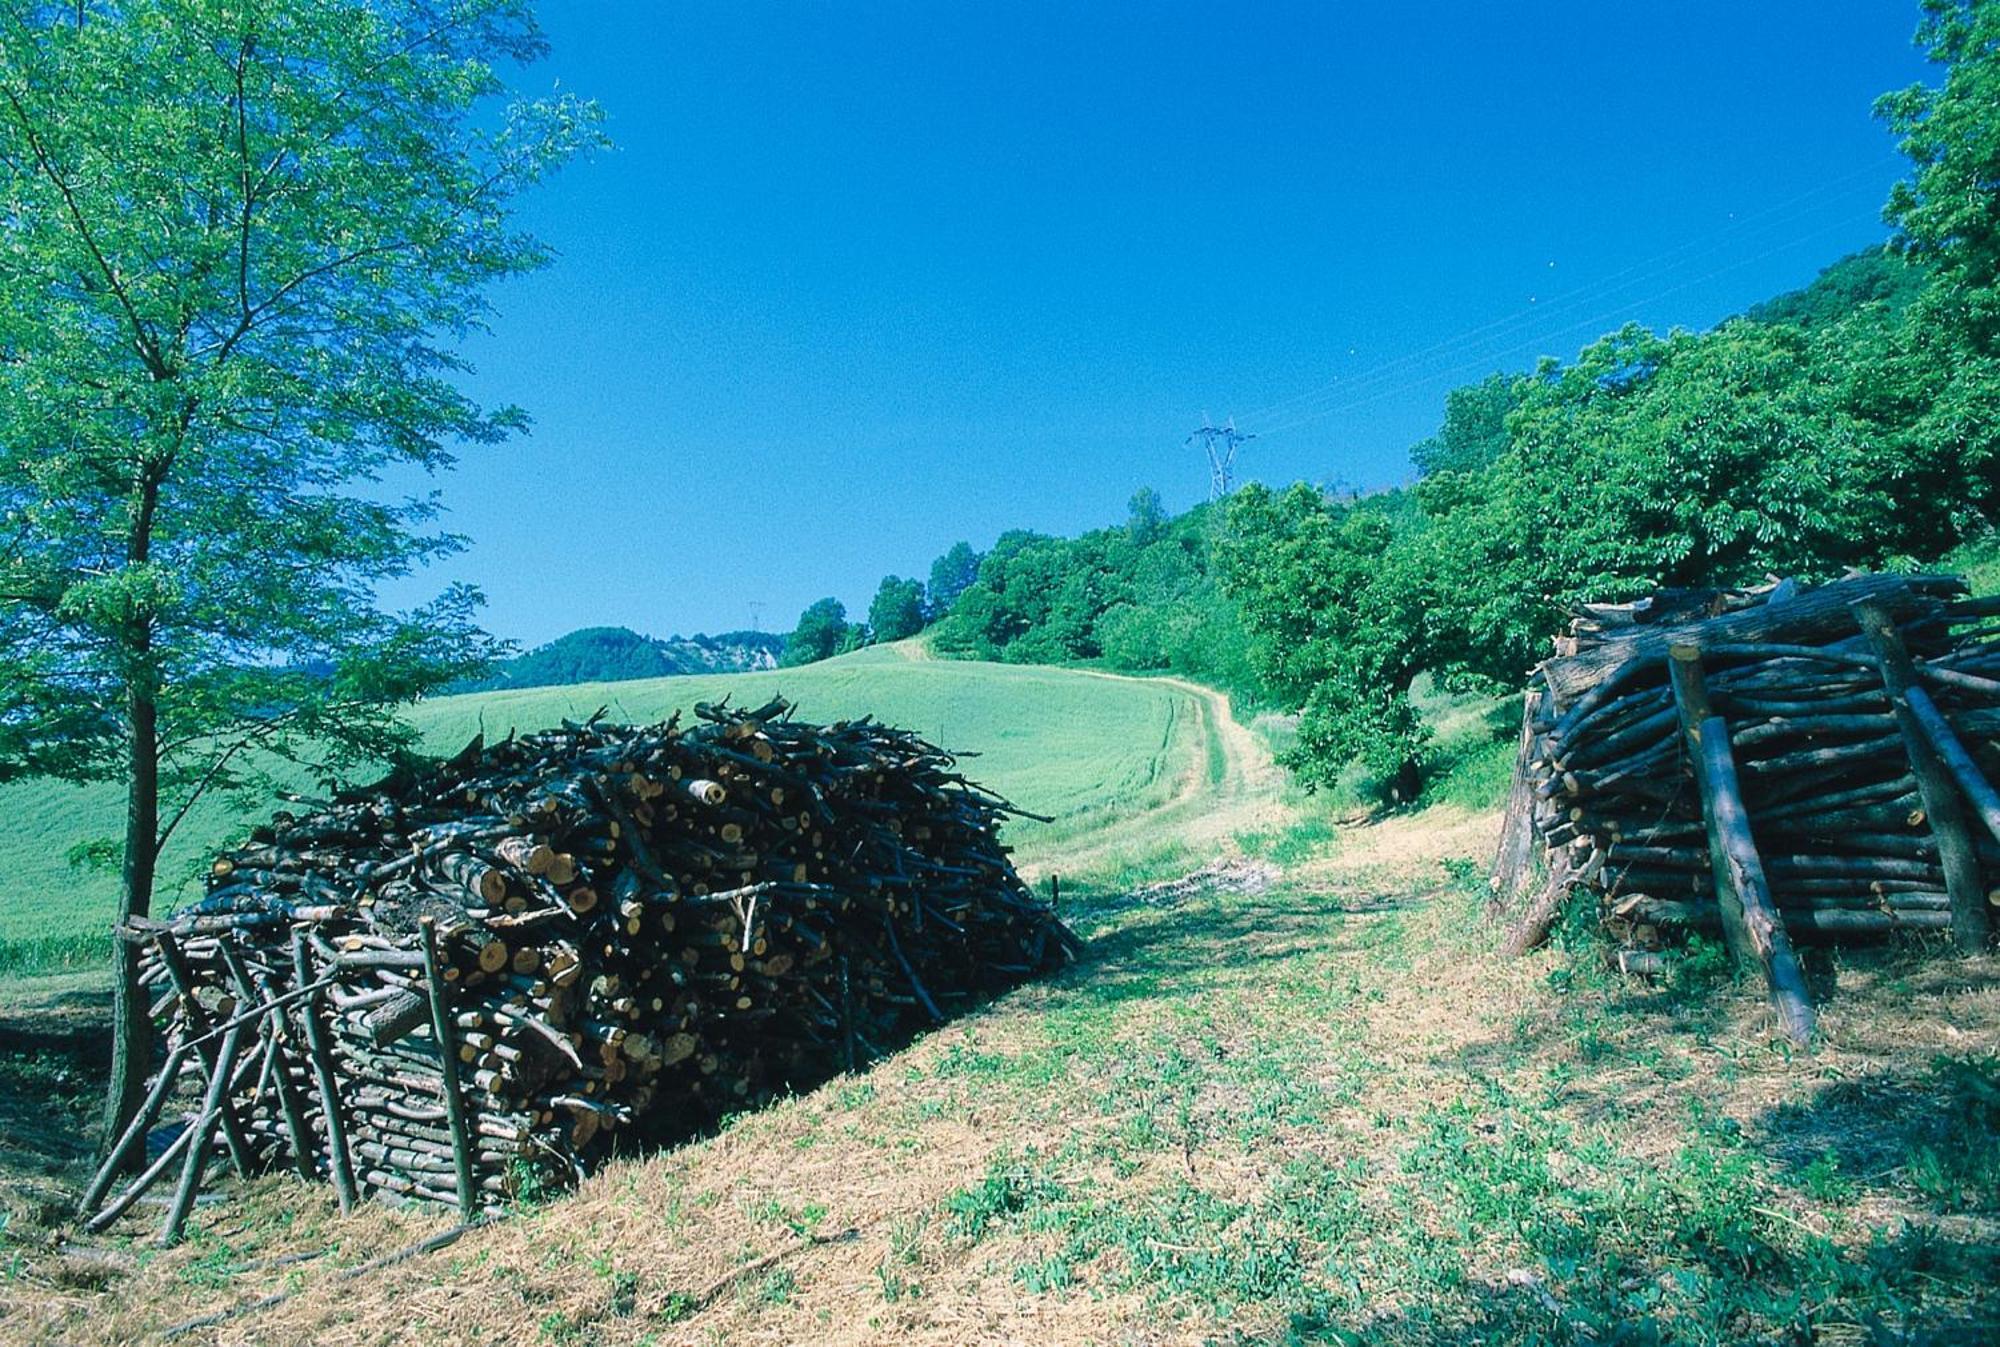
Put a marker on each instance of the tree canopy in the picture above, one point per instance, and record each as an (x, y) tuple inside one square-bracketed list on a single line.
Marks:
[(898, 609), (823, 632), (1948, 212), (240, 243)]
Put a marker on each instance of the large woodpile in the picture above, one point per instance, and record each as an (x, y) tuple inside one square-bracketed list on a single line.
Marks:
[(1780, 764), (468, 979)]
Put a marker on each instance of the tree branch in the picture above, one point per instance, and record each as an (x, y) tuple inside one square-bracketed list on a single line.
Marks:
[(148, 346)]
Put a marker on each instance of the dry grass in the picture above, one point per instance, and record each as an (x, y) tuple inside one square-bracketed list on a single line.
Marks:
[(1315, 1111)]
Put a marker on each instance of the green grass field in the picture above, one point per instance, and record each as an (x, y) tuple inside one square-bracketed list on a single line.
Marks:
[(1080, 748)]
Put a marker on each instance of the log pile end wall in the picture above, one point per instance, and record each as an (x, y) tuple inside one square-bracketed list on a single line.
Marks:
[(1779, 766)]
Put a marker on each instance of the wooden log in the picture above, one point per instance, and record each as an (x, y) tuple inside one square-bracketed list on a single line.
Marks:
[(119, 1205), (1532, 927), (397, 1017), (340, 1166), (142, 1121), (1513, 861), (297, 1136), (203, 1130), (1952, 678), (1956, 758), (196, 1018), (1942, 805), (454, 1096), (1684, 672), (1812, 615), (1746, 906)]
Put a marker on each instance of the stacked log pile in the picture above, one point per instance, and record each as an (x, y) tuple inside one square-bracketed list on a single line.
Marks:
[(1818, 755), (472, 977)]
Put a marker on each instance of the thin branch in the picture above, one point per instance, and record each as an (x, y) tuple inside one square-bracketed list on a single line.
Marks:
[(148, 347), (243, 161), (262, 730)]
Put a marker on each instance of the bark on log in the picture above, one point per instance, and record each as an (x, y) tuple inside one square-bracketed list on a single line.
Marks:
[(1942, 805), (1815, 613), (1739, 873)]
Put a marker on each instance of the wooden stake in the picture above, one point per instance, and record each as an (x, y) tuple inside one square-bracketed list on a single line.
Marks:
[(1942, 805), (142, 1122), (339, 1165), (260, 994), (1743, 892), (197, 1022), (212, 1108), (454, 1096), (117, 1206), (1514, 859), (1691, 698), (1957, 759)]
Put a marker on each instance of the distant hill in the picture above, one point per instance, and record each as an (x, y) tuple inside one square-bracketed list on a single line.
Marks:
[(614, 654)]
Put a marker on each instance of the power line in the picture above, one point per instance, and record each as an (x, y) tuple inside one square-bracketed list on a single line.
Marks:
[(1531, 345), (1637, 274)]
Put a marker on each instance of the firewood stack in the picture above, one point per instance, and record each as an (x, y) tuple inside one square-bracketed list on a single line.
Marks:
[(1859, 730), (470, 978)]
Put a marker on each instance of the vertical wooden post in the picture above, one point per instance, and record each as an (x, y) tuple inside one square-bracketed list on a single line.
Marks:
[(1691, 697), (1514, 858), (196, 1020), (1740, 886), (1942, 805), (339, 1166), (213, 1106), (454, 1096), (288, 1097)]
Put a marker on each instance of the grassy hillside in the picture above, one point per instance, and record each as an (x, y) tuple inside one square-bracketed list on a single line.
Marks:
[(1304, 1107), (1081, 748)]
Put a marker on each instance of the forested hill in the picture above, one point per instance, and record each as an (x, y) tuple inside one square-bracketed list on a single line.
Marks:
[(613, 654), (1846, 424)]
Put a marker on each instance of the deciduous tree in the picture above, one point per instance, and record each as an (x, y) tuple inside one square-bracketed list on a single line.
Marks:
[(238, 242), (898, 609)]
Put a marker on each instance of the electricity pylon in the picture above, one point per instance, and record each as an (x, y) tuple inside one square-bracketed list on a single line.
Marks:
[(1220, 443)]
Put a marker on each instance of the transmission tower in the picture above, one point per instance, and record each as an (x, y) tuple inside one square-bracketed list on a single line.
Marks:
[(1220, 443), (756, 615)]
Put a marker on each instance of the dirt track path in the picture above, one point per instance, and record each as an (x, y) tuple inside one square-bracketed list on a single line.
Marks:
[(1229, 785)]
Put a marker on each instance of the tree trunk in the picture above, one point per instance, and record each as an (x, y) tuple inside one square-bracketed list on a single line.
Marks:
[(131, 1024), (131, 1028)]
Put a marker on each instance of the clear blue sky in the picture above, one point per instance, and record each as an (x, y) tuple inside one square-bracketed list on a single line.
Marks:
[(863, 279)]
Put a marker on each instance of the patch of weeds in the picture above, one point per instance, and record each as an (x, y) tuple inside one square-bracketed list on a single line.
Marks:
[(1042, 1275), (801, 1221), (896, 1286), (566, 1330), (529, 1185), (1698, 969), (906, 1237), (677, 1305), (775, 1288), (1308, 837), (623, 1286), (1958, 1167), (1823, 1181), (213, 1269), (851, 1097), (1010, 1186)]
